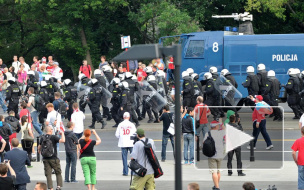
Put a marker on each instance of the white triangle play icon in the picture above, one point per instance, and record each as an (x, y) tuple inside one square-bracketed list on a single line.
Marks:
[(235, 138)]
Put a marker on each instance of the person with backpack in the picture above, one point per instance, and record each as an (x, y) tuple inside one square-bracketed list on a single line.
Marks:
[(188, 130), (167, 118), (59, 105), (33, 104), (15, 125), (214, 142), (140, 156), (85, 69), (48, 149)]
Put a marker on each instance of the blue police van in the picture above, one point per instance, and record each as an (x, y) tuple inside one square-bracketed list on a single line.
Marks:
[(279, 52)]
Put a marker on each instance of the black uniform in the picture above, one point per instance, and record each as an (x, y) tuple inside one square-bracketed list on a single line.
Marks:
[(273, 96), (109, 76), (32, 82), (150, 109), (188, 91), (51, 88), (115, 101), (13, 94), (45, 96), (230, 96), (252, 85), (95, 99), (211, 97), (217, 94), (71, 97), (133, 89), (262, 76), (83, 99), (293, 89), (198, 91)]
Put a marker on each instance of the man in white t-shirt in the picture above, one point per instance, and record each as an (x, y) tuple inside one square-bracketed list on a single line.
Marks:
[(77, 117), (16, 64), (53, 118), (22, 62), (33, 111), (215, 161), (124, 131)]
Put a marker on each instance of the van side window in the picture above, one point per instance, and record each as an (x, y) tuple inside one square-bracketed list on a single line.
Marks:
[(195, 48)]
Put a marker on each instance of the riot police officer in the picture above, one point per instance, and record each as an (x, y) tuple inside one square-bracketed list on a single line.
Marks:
[(293, 88), (43, 93), (161, 81), (188, 90), (94, 97), (126, 104), (107, 70), (115, 101), (51, 87), (198, 89), (31, 82), (229, 79), (71, 95), (262, 76), (217, 93), (83, 80), (302, 90), (211, 94), (149, 72), (102, 80), (153, 86), (274, 93), (13, 94), (252, 85), (137, 98), (190, 71)]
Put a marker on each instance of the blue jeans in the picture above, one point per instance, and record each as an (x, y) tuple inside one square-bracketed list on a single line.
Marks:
[(164, 145), (36, 125), (71, 159), (4, 107), (124, 155), (262, 129), (300, 177), (78, 135), (188, 142)]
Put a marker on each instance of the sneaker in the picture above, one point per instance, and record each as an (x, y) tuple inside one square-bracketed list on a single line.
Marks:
[(66, 181), (186, 162), (163, 160), (269, 147), (156, 121), (241, 174), (191, 163), (150, 121), (34, 155), (75, 181), (58, 188), (248, 147)]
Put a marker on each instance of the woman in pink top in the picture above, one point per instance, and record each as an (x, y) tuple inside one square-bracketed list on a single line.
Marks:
[(22, 77)]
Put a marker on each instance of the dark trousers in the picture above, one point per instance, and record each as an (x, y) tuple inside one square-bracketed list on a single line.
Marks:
[(27, 146), (186, 101), (50, 164), (96, 115), (42, 116), (70, 110), (115, 114), (71, 160), (164, 145), (106, 111), (237, 152), (78, 135), (20, 187), (262, 129), (6, 148), (13, 106)]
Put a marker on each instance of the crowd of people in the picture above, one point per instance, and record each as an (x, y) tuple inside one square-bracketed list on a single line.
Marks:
[(37, 99)]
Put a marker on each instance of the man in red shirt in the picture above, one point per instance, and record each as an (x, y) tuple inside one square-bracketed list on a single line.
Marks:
[(85, 69), (201, 113), (141, 74), (298, 147), (259, 124)]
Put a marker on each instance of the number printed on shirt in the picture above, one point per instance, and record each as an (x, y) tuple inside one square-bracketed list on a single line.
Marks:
[(126, 131)]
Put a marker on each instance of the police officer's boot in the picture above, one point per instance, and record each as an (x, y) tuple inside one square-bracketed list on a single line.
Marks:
[(92, 126), (103, 124)]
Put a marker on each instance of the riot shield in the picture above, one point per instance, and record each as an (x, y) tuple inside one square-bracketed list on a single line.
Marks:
[(106, 97), (82, 89), (151, 96), (231, 95), (104, 76)]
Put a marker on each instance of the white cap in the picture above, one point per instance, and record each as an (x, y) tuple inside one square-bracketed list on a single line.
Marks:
[(126, 114)]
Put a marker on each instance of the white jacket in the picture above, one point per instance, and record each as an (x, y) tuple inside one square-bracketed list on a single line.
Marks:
[(124, 130)]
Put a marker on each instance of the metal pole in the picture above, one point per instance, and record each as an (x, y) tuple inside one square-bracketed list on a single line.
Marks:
[(198, 149), (38, 155), (178, 151), (251, 152)]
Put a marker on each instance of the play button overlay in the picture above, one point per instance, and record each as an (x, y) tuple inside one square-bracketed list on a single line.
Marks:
[(235, 138)]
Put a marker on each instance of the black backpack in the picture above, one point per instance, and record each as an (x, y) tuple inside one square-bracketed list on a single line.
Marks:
[(152, 159), (47, 148), (39, 102), (209, 146), (62, 109)]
